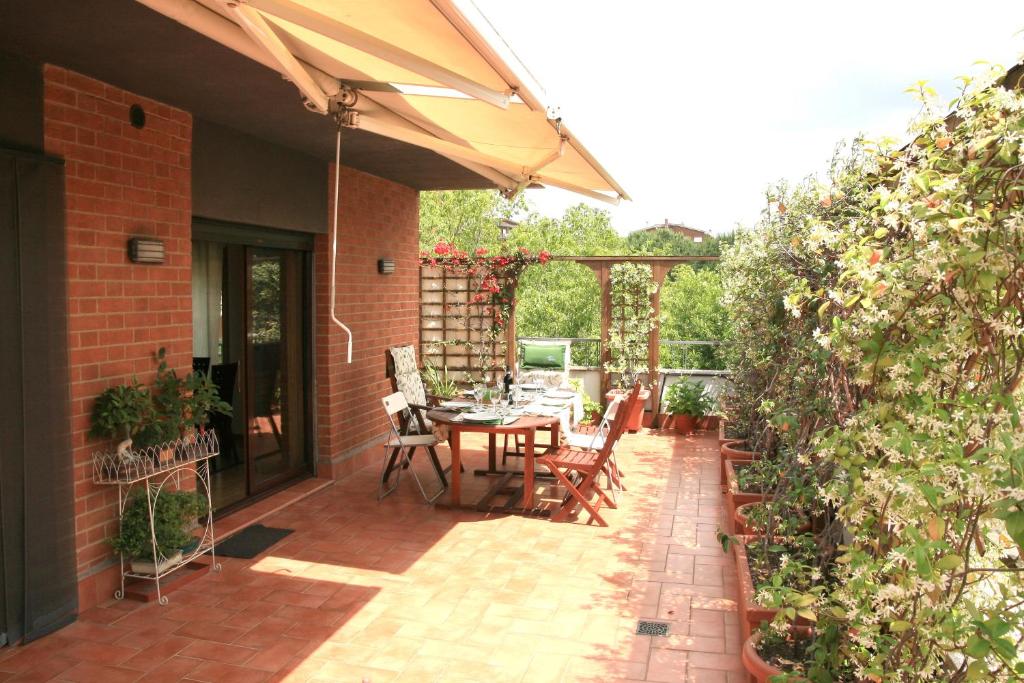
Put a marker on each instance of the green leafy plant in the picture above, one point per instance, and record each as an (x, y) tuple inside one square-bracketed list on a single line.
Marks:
[(174, 514), (632, 321), (163, 414), (877, 323), (121, 412), (689, 398), (439, 384), (592, 410)]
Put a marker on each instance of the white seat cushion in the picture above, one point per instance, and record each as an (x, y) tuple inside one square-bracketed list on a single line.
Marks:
[(585, 441), (413, 440)]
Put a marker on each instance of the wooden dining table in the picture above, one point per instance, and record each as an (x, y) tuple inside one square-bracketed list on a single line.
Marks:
[(525, 426)]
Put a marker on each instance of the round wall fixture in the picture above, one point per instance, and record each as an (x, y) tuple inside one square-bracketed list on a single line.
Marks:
[(137, 116)]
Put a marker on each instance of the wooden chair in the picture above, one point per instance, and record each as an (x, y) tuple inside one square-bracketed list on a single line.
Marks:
[(402, 445), (401, 369), (578, 469), (595, 440)]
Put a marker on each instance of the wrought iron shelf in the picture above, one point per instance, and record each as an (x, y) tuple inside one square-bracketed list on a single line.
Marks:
[(152, 470)]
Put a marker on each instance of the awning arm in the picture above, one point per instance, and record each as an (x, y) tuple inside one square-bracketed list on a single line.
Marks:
[(504, 182), (324, 25), (374, 125), (600, 196), (253, 23)]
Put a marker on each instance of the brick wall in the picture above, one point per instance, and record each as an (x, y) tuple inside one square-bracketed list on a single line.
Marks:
[(379, 218), (120, 182)]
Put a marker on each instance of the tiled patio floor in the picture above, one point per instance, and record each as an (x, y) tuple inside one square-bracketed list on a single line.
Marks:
[(398, 591)]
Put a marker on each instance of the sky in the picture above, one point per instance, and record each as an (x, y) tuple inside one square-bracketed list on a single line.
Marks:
[(696, 108)]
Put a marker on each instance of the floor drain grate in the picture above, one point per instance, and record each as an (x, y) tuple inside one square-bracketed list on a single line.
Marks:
[(652, 628)]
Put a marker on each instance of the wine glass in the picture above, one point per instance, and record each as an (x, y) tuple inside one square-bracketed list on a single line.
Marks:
[(478, 394), (496, 396)]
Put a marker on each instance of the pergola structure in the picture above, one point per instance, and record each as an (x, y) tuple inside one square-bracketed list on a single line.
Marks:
[(602, 267)]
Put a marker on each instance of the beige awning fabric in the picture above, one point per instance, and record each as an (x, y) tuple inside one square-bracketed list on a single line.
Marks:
[(431, 73)]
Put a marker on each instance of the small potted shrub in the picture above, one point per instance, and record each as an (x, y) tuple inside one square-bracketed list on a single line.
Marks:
[(174, 515), (440, 386), (122, 413), (688, 402)]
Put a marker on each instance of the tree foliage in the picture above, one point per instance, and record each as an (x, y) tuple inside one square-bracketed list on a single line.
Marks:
[(563, 298)]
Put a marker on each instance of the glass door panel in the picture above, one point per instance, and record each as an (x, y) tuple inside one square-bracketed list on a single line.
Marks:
[(276, 433)]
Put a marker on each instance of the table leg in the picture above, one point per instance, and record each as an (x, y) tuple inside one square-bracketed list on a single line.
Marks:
[(528, 470), (453, 445), (492, 451), (554, 434)]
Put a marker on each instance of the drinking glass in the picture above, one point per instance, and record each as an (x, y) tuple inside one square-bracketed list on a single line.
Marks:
[(478, 394), (495, 396)]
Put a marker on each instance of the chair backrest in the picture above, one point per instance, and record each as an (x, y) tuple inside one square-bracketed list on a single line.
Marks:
[(395, 404), (622, 413), (406, 375), (617, 425), (604, 426)]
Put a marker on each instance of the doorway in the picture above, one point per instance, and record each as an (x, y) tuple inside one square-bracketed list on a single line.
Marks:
[(251, 302)]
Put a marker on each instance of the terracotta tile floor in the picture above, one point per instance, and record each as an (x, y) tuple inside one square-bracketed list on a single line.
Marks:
[(398, 591)]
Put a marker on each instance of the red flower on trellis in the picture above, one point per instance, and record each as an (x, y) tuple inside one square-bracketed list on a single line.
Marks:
[(494, 277)]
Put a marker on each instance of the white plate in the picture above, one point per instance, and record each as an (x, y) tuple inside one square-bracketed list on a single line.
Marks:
[(479, 417), (531, 387), (456, 404), (561, 394)]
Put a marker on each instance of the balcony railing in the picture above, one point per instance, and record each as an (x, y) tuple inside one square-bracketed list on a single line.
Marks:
[(675, 354)]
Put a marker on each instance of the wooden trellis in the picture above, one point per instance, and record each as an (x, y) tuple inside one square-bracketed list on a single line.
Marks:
[(455, 333)]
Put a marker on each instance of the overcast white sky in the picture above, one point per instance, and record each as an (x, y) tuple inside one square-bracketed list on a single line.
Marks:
[(696, 107)]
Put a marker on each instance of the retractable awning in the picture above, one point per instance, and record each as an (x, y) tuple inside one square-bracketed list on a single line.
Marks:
[(431, 73)]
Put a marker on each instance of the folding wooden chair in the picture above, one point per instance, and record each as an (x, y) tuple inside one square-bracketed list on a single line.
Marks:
[(578, 469), (401, 369), (400, 446), (595, 441)]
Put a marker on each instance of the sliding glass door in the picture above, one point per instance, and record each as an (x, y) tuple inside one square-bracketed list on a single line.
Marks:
[(251, 329)]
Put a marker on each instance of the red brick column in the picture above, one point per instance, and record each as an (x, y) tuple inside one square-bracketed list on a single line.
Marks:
[(120, 182), (378, 219)]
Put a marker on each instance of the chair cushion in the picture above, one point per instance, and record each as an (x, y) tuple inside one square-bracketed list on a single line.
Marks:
[(413, 440), (577, 440), (548, 356), (407, 375)]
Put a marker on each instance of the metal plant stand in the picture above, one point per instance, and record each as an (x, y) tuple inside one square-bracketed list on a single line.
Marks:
[(152, 470)]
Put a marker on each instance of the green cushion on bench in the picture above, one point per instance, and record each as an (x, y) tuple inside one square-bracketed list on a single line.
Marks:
[(543, 356)]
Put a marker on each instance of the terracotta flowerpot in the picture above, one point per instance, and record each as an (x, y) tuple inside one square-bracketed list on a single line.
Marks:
[(636, 418), (733, 449), (734, 497), (760, 670), (752, 615), (742, 526), (684, 424)]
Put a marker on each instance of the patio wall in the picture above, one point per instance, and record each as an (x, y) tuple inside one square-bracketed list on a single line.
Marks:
[(122, 182), (379, 218)]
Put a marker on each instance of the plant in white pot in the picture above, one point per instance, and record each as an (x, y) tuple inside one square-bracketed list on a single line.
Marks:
[(174, 514)]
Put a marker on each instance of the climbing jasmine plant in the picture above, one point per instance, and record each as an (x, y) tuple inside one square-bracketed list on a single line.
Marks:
[(632, 320)]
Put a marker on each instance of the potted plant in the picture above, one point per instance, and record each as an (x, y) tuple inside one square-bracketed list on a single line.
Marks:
[(632, 285), (122, 412), (774, 650), (440, 386), (174, 514), (771, 572), (688, 401), (749, 482)]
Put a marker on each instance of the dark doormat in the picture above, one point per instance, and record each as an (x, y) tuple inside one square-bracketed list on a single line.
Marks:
[(251, 541)]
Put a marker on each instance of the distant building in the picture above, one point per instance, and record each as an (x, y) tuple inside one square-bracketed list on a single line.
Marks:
[(680, 229)]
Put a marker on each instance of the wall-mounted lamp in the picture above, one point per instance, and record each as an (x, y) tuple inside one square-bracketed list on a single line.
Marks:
[(386, 266), (145, 250)]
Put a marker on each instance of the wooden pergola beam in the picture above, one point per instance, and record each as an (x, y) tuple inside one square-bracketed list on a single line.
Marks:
[(660, 268)]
